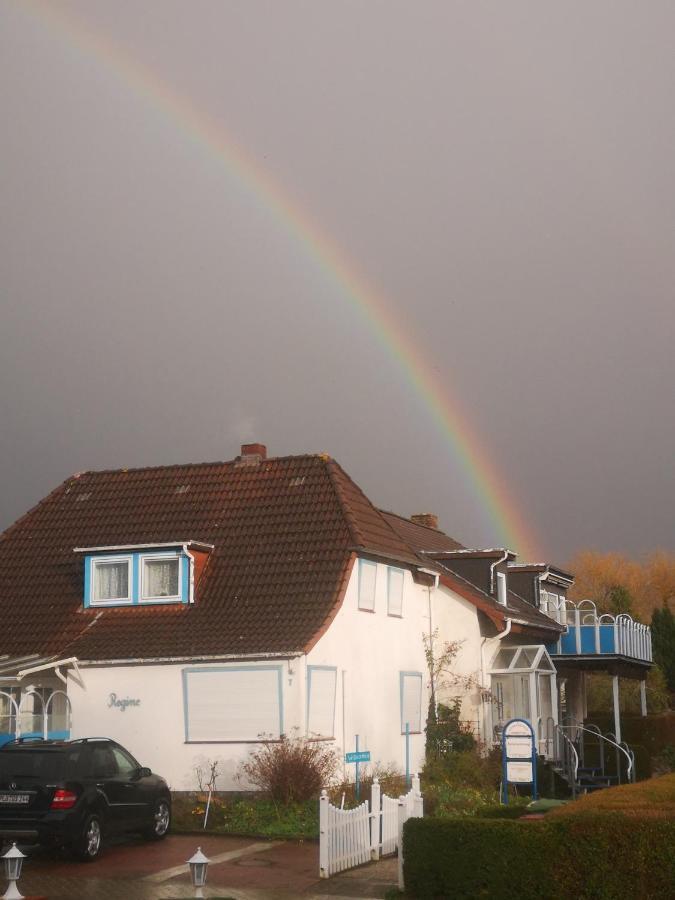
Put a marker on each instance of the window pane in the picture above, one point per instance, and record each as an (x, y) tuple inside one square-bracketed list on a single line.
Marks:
[(125, 763), (321, 702), (503, 658), (161, 578), (111, 580), (233, 704), (367, 575), (395, 592), (411, 702)]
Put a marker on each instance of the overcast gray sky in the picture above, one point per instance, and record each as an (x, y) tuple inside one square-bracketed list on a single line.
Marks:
[(502, 173)]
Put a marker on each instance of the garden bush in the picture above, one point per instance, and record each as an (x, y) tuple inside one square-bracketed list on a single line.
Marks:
[(291, 770), (392, 782), (580, 850)]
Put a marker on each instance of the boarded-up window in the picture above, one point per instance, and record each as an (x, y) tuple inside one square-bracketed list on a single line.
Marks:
[(367, 577), (321, 682), (237, 704), (395, 592), (411, 701)]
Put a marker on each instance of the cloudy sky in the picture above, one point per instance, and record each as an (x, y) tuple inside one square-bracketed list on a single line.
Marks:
[(501, 175)]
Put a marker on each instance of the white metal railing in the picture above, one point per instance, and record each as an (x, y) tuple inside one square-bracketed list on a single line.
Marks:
[(574, 735), (350, 837), (627, 637), (34, 717)]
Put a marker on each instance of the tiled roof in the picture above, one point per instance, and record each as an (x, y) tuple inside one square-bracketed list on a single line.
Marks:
[(421, 537), (284, 532), (425, 540)]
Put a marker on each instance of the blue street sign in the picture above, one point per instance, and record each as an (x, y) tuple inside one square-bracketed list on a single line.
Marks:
[(358, 757)]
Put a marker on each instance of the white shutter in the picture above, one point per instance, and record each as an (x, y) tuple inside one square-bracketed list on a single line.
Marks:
[(411, 701), (395, 592), (238, 704), (367, 576), (321, 701)]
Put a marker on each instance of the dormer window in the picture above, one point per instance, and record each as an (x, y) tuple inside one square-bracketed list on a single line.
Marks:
[(133, 575)]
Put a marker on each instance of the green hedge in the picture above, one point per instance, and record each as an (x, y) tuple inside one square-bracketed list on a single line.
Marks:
[(602, 856)]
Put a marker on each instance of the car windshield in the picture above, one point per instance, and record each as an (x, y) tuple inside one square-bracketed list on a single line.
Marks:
[(37, 763)]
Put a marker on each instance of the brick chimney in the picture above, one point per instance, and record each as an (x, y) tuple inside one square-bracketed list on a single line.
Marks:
[(251, 455), (428, 519)]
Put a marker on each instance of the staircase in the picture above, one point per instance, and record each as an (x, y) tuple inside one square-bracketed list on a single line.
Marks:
[(587, 759)]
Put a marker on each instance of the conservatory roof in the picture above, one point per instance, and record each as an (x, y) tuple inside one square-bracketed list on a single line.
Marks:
[(533, 658)]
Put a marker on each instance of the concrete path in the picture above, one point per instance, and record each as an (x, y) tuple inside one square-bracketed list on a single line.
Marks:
[(241, 869)]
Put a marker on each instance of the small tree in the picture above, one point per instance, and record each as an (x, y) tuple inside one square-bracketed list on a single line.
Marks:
[(663, 643), (444, 729)]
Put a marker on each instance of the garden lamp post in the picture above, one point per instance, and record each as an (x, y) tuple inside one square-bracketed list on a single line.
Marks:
[(13, 860), (198, 866)]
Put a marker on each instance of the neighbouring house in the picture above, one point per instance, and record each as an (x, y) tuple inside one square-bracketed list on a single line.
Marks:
[(187, 611)]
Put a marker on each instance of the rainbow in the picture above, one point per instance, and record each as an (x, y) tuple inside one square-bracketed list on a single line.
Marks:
[(453, 424)]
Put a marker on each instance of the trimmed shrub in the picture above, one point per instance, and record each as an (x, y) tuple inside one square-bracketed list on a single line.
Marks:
[(611, 845)]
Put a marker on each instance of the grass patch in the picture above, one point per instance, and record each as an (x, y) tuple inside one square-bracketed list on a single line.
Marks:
[(246, 815)]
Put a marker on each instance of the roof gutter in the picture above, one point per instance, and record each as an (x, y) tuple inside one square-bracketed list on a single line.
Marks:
[(54, 664), (226, 657)]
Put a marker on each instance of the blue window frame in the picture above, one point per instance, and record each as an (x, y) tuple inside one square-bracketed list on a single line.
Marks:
[(233, 704), (137, 578)]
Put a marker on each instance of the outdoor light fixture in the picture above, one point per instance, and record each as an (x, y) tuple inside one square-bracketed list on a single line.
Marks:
[(198, 866), (13, 861)]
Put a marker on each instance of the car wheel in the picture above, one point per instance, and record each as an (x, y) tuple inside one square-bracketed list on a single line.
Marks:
[(89, 845), (161, 820)]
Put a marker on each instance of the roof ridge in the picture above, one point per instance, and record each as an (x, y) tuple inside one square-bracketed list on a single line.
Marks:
[(15, 524), (381, 517), (195, 465), (350, 518)]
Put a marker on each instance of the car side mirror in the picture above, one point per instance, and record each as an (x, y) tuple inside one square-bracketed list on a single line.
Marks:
[(144, 771)]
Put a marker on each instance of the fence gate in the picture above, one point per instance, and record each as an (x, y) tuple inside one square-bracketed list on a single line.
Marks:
[(351, 837)]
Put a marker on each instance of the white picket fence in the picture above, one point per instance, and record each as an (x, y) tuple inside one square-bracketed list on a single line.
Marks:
[(350, 837)]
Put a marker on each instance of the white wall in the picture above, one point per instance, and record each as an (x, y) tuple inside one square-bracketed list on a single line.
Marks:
[(370, 651), (154, 731)]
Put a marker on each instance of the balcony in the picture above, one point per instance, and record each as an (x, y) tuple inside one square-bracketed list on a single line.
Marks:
[(591, 635)]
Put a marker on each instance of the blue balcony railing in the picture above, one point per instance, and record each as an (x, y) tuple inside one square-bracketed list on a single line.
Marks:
[(588, 633)]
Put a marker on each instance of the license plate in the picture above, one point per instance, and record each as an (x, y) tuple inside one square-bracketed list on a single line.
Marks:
[(15, 799)]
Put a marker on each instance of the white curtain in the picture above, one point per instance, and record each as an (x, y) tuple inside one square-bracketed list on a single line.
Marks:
[(162, 578), (112, 580)]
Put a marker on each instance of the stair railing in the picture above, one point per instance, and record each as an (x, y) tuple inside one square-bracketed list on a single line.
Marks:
[(605, 741), (566, 757)]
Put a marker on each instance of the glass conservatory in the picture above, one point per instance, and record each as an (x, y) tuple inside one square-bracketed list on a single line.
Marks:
[(523, 686)]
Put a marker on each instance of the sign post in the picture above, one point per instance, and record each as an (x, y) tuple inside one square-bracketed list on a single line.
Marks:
[(519, 757), (407, 754), (357, 757)]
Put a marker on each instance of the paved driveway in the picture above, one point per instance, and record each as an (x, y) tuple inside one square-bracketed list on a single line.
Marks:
[(241, 868)]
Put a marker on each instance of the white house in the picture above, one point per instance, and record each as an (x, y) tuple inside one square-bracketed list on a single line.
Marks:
[(186, 611)]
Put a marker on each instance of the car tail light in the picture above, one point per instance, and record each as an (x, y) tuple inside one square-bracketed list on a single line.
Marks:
[(63, 799)]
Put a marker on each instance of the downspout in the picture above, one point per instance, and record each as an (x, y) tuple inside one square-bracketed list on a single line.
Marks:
[(540, 578), (432, 686), (497, 562), (497, 637), (191, 575)]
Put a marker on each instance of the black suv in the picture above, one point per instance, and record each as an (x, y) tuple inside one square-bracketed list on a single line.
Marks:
[(74, 793)]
